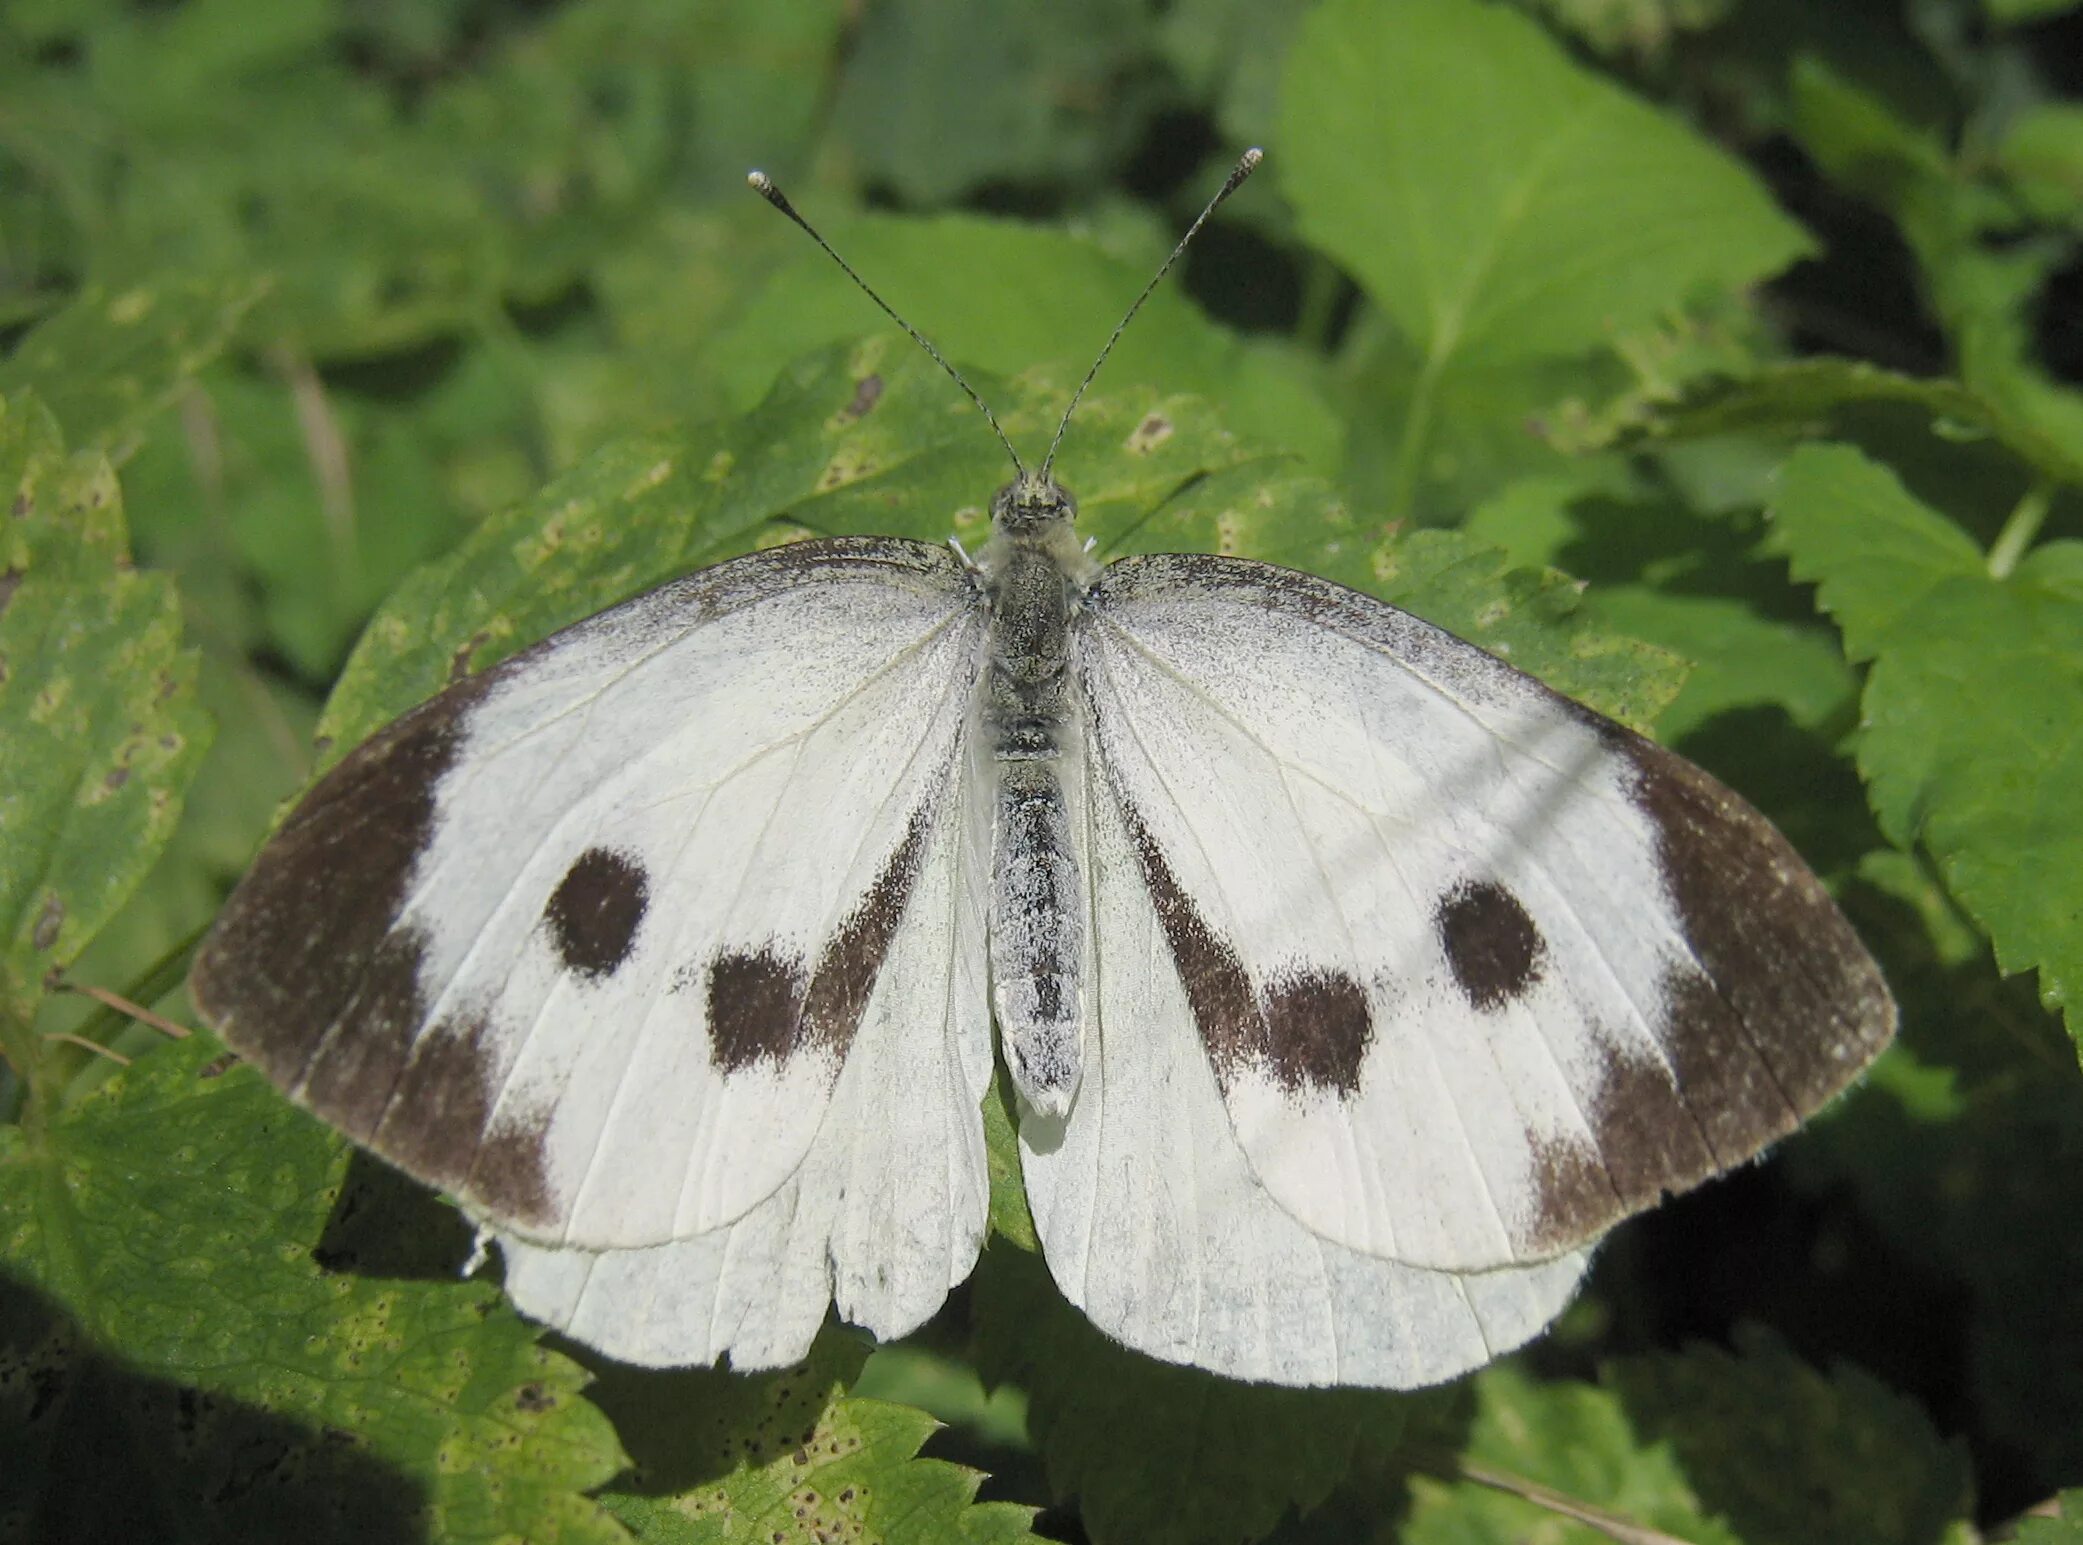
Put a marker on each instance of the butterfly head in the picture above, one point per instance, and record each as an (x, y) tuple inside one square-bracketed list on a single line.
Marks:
[(1030, 505)]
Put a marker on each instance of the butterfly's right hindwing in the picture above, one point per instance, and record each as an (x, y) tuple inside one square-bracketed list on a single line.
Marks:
[(588, 940)]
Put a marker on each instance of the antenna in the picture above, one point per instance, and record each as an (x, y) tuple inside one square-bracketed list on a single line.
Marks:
[(1246, 165), (763, 185)]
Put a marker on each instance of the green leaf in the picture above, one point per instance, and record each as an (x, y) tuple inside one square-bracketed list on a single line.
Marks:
[(1570, 1443), (870, 438), (1025, 110), (1156, 1453), (789, 1456), (1788, 1455), (1007, 298), (1788, 399), (99, 731), (110, 360), (2013, 12), (2042, 155), (1973, 708), (1231, 52), (1497, 200), (2065, 1527), (1980, 277), (182, 1356)]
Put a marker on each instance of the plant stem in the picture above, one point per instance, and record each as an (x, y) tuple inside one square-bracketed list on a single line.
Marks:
[(2020, 529), (1417, 434)]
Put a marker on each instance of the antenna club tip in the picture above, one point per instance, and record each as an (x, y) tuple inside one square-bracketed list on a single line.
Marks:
[(758, 181), (1249, 160)]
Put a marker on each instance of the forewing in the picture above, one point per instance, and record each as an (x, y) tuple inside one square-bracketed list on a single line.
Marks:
[(1478, 971), (885, 1213), (1154, 1225), (586, 940)]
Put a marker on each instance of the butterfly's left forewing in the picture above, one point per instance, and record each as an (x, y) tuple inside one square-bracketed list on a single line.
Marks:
[(1477, 972), (589, 940)]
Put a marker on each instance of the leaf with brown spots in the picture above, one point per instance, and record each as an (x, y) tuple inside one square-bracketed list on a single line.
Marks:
[(790, 1457), (100, 733)]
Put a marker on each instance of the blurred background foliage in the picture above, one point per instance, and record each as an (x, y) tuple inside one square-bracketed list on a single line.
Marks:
[(333, 282)]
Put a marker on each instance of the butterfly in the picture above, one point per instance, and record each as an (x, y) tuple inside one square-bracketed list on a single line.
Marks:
[(1352, 983)]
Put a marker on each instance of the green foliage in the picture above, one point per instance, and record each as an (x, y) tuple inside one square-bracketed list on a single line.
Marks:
[(178, 1326), (394, 336), (1969, 740), (1556, 1440), (792, 1456), (99, 733)]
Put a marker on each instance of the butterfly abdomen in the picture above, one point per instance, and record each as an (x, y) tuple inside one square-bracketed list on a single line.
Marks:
[(1037, 914)]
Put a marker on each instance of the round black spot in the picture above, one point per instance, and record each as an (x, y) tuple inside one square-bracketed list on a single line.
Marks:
[(596, 910), (1491, 944)]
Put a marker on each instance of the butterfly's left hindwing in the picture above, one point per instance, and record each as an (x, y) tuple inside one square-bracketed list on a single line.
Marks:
[(591, 940), (1478, 972)]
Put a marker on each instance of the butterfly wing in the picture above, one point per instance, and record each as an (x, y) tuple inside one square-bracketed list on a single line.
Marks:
[(887, 1210), (586, 940), (1153, 1224), (1477, 971)]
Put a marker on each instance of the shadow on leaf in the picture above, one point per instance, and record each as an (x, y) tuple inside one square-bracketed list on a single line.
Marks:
[(95, 1452)]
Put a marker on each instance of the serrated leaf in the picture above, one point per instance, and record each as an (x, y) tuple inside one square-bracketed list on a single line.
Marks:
[(99, 730), (1574, 1442), (1154, 1453), (1792, 398), (1788, 1455), (110, 359), (1979, 276), (779, 1458), (1497, 200), (1973, 707), (164, 1224)]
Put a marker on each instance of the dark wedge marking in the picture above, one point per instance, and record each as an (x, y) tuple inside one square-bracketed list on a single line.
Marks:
[(1492, 946), (755, 1007), (852, 958), (1311, 1033), (596, 910), (1318, 1030), (1225, 1011), (762, 1008)]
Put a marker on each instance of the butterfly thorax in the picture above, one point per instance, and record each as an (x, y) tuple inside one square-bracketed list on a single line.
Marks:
[(1034, 569)]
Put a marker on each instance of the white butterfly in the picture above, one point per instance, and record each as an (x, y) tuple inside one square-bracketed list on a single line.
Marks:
[(1352, 982)]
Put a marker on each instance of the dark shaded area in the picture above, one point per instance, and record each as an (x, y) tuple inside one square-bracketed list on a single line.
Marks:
[(95, 1452), (386, 1224)]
